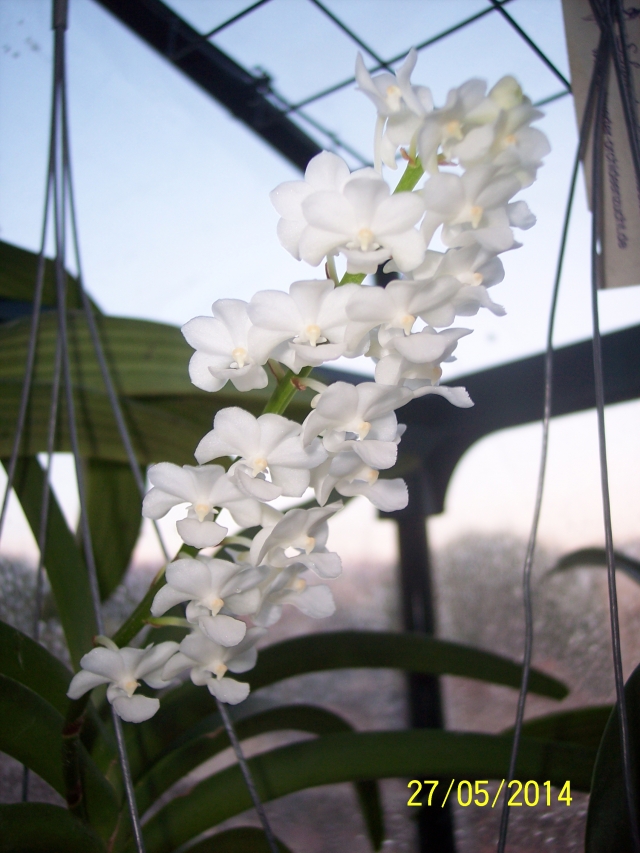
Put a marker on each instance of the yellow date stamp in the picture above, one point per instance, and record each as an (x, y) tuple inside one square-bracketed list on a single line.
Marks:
[(476, 793)]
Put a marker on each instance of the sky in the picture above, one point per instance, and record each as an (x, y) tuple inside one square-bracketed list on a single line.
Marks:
[(174, 211)]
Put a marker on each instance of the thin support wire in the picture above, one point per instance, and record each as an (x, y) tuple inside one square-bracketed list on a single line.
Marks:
[(112, 394), (596, 80), (597, 281), (244, 767), (345, 29), (60, 198), (35, 322), (421, 46), (534, 47)]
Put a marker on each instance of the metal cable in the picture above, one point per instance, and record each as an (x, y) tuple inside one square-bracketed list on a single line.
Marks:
[(433, 40), (598, 74), (60, 190), (345, 29), (112, 394), (244, 767), (35, 323), (597, 282), (534, 47)]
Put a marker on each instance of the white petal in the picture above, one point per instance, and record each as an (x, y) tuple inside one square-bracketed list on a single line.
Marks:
[(224, 630), (135, 709), (200, 534), (83, 681), (166, 598), (228, 690)]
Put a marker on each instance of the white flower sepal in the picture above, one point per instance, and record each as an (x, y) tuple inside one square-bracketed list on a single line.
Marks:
[(285, 586), (268, 443), (223, 349), (211, 586), (350, 476), (205, 488), (299, 538), (209, 662), (123, 669)]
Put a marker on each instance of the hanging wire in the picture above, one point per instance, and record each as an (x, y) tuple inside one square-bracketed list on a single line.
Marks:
[(597, 283), (595, 84), (246, 773), (94, 334)]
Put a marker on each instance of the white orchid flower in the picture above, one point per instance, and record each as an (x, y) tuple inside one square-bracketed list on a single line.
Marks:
[(299, 538), (344, 409), (285, 586), (396, 306), (269, 443), (310, 318), (224, 349), (415, 361), (123, 669), (472, 208), (209, 662), (442, 128), (211, 586), (350, 476), (205, 488), (358, 217), (469, 271), (401, 107)]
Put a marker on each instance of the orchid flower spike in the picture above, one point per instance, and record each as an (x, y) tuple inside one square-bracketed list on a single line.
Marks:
[(123, 669)]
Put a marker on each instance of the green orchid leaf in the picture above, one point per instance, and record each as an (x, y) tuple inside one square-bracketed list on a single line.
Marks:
[(583, 726), (608, 828), (183, 707), (114, 508), (243, 839), (597, 557), (32, 732), (210, 737), (349, 756), (27, 662), (18, 270), (43, 828), (410, 652), (63, 561)]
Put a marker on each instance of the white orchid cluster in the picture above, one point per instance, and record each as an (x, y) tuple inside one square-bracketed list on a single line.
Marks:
[(478, 151)]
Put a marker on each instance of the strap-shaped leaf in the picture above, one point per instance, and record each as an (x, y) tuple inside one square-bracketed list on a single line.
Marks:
[(243, 839), (32, 732), (184, 706), (608, 829), (584, 726), (65, 565), (209, 738), (18, 269), (597, 558), (114, 509), (411, 652), (26, 661), (423, 754), (43, 828)]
